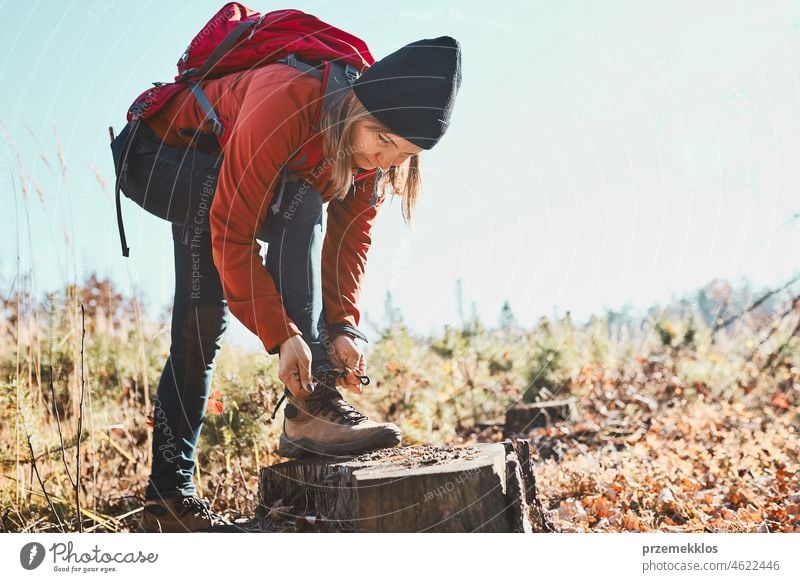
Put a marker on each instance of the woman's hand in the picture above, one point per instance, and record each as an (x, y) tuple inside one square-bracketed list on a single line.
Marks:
[(347, 355), (294, 368)]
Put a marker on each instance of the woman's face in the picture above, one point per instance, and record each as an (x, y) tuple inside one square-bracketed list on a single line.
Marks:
[(372, 148)]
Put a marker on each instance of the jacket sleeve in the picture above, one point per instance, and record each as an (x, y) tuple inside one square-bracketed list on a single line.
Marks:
[(272, 123), (344, 255)]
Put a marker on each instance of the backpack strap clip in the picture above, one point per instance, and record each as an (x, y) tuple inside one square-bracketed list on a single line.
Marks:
[(292, 60), (211, 116), (351, 73), (276, 206)]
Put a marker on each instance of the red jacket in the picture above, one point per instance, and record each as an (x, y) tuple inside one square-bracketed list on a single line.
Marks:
[(271, 113)]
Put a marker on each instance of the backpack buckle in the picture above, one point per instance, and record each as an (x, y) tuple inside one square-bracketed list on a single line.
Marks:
[(351, 73)]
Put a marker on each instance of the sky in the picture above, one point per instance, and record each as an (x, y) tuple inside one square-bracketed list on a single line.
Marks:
[(599, 154)]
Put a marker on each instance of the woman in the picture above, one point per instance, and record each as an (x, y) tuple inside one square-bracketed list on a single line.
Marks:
[(303, 305)]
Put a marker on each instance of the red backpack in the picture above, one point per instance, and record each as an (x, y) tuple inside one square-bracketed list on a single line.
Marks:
[(237, 39)]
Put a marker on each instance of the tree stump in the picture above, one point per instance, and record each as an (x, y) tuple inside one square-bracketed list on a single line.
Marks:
[(482, 487), (522, 418)]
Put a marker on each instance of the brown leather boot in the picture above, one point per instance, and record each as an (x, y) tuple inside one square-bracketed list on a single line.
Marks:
[(324, 423), (178, 515)]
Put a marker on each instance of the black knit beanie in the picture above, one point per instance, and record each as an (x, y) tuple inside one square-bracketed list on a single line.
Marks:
[(412, 90)]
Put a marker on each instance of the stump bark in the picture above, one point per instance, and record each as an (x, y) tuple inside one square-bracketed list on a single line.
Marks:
[(482, 487)]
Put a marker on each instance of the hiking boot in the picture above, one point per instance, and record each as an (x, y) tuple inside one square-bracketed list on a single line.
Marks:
[(324, 423), (179, 514)]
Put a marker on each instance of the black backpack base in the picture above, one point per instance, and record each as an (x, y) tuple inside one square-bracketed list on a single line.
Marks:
[(172, 182)]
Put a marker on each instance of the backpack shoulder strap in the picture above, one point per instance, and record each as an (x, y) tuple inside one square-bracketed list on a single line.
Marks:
[(336, 79), (220, 50)]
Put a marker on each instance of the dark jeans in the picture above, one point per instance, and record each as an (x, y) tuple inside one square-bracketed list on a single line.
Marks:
[(200, 317)]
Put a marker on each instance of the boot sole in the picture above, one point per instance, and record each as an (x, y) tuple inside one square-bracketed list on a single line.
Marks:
[(306, 447)]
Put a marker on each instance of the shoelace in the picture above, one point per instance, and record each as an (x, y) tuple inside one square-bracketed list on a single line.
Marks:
[(332, 382), (327, 399), (327, 396), (195, 505)]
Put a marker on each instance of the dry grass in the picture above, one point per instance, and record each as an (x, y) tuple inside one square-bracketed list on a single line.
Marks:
[(678, 432)]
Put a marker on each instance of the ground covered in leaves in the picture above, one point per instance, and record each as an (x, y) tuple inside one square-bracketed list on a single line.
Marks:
[(644, 457)]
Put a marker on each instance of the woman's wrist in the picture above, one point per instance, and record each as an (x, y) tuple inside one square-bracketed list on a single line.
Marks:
[(337, 329)]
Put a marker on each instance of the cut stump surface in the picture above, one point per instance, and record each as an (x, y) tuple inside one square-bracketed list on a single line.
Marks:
[(482, 487)]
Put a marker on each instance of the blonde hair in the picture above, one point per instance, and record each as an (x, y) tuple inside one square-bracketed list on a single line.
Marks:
[(336, 127)]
